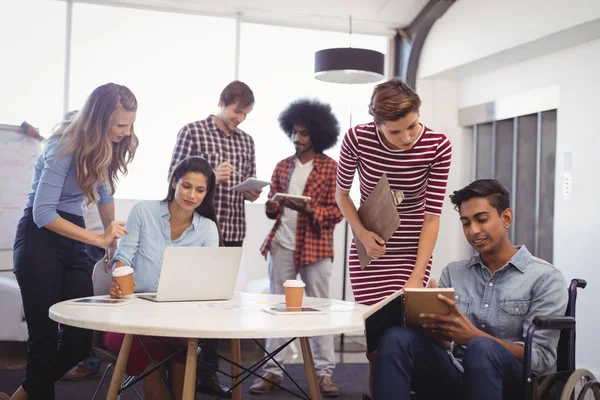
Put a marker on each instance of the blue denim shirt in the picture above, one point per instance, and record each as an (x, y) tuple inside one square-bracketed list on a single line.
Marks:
[(504, 304), (150, 233), (55, 185)]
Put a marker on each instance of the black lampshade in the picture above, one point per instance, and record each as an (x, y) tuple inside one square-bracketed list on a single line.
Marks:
[(349, 65)]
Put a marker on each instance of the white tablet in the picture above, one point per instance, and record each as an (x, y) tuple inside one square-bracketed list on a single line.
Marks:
[(277, 196), (293, 310), (251, 184), (95, 301)]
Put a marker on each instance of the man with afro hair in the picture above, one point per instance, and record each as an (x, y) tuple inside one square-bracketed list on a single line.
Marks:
[(301, 241)]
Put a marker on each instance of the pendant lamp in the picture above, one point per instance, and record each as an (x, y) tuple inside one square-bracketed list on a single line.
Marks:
[(349, 64)]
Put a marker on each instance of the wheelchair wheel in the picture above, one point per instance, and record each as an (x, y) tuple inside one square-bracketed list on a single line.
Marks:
[(593, 388), (580, 385)]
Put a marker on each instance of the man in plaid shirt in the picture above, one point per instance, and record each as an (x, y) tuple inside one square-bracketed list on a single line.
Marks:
[(230, 151), (301, 241)]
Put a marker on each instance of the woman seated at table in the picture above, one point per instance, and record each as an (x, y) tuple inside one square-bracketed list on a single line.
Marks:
[(185, 218)]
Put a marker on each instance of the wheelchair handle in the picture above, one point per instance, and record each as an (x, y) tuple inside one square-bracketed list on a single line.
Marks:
[(552, 322)]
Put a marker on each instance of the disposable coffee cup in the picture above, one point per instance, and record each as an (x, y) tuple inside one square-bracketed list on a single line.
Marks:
[(294, 291), (124, 277)]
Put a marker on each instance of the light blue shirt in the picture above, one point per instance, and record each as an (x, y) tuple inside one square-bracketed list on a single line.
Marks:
[(55, 186), (505, 303), (150, 233)]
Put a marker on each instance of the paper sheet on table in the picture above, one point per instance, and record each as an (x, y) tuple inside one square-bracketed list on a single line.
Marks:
[(228, 305), (327, 305), (251, 184)]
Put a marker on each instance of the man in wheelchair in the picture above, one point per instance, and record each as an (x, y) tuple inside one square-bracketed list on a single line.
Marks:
[(477, 351)]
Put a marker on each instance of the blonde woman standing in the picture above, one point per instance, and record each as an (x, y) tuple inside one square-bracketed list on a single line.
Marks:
[(79, 165)]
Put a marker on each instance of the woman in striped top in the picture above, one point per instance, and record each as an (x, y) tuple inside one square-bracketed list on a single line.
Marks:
[(416, 161)]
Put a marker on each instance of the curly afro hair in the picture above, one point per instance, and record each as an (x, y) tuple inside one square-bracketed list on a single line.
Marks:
[(318, 119)]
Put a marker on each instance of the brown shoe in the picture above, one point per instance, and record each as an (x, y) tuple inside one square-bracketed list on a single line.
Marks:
[(261, 386), (328, 388), (4, 396), (79, 373)]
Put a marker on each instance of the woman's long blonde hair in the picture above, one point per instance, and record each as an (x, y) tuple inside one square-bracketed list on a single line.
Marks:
[(97, 159)]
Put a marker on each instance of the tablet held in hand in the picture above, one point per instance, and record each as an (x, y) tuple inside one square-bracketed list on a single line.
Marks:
[(278, 196), (251, 184)]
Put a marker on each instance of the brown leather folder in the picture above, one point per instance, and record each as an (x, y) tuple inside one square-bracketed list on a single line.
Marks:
[(378, 214)]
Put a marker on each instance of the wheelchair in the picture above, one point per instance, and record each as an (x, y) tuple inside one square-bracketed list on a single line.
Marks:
[(568, 383)]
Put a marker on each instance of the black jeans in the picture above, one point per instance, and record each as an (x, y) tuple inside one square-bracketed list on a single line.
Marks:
[(210, 347), (94, 253), (50, 268)]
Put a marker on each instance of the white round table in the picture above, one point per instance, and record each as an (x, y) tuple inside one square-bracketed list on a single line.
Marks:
[(242, 317)]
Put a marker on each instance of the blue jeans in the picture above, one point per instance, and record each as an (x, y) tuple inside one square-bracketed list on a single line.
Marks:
[(408, 360)]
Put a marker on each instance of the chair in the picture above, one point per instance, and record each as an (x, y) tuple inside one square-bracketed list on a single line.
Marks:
[(564, 384), (102, 281)]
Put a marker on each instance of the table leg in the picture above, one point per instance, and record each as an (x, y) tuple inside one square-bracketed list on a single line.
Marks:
[(309, 368), (189, 380), (236, 357), (117, 378)]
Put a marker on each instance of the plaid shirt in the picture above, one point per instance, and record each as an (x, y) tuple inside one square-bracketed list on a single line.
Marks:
[(203, 138), (314, 233)]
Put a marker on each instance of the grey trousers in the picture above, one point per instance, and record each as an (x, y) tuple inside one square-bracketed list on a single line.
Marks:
[(316, 277)]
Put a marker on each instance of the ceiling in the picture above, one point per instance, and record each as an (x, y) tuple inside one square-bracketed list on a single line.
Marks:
[(379, 17)]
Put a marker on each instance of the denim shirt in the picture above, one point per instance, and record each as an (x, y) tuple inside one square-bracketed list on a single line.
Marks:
[(504, 304), (55, 186), (149, 233)]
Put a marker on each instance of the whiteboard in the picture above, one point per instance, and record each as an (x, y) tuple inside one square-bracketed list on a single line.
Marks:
[(18, 153)]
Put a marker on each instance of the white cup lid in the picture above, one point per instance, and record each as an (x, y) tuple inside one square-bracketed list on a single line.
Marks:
[(294, 283), (122, 271)]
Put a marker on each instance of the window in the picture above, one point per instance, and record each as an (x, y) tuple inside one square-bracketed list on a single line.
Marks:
[(278, 64), (520, 153), (32, 39), (175, 64)]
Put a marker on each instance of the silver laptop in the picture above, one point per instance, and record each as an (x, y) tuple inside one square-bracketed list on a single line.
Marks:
[(197, 273)]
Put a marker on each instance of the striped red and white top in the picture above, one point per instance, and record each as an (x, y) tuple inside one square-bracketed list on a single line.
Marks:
[(422, 174)]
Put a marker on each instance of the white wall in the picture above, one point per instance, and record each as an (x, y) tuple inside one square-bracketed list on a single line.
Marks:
[(438, 111), (474, 29)]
